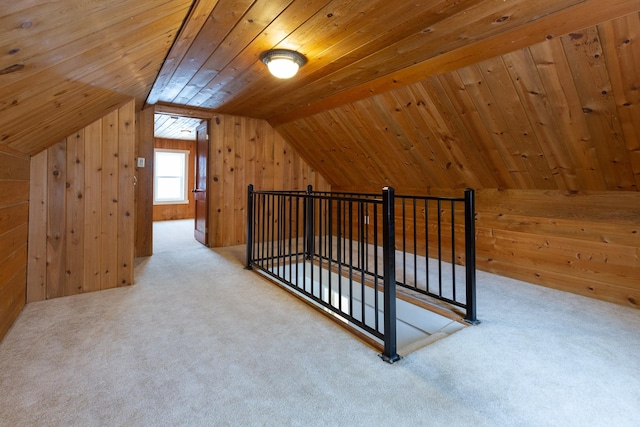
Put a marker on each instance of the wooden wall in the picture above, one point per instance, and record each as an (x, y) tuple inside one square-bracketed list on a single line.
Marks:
[(82, 210), (14, 217), (177, 211), (243, 151), (582, 242), (248, 151), (144, 184)]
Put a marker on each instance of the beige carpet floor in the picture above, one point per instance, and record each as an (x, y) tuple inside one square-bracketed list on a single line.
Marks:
[(200, 341)]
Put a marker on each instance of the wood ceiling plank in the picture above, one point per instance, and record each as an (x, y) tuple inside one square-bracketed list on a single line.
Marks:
[(538, 113), (163, 129), (81, 82), (30, 23), (449, 94), (303, 135), (479, 21), (194, 23), (553, 68), (394, 138), (80, 104), (354, 139), (585, 56), (172, 127), (260, 14), (228, 82), (13, 167), (30, 140), (66, 38), (522, 141), (430, 117), (162, 122), (486, 106), (350, 31), (418, 137), (392, 167), (89, 53), (622, 55), (333, 159), (585, 14), (216, 28)]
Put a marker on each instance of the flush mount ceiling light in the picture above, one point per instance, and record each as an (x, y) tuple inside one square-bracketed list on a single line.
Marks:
[(283, 63)]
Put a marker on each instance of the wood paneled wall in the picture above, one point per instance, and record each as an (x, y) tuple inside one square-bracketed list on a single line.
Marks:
[(586, 243), (582, 242), (144, 184), (81, 226), (177, 211), (243, 151), (249, 151), (14, 218)]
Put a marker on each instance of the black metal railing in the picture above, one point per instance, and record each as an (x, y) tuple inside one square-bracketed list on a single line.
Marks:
[(341, 251)]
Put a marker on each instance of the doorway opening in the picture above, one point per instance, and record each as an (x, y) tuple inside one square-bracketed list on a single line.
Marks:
[(181, 158)]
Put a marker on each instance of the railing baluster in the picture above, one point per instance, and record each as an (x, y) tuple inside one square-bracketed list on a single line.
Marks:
[(426, 242), (453, 250), (264, 240), (376, 272), (351, 258), (415, 245), (439, 248), (404, 241)]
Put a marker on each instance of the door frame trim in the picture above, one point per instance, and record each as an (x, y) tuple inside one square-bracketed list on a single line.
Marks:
[(144, 143)]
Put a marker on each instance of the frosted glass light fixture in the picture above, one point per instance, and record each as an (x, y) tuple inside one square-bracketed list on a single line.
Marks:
[(283, 63)]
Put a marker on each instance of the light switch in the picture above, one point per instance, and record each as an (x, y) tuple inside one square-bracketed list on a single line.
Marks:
[(140, 162)]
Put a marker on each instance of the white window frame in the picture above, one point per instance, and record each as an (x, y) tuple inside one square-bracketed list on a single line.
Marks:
[(184, 177)]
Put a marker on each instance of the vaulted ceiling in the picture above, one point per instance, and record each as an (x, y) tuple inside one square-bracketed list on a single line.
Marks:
[(499, 93)]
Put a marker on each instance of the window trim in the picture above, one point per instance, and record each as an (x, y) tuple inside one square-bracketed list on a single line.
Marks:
[(185, 177)]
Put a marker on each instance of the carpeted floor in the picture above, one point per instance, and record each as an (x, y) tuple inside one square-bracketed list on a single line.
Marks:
[(201, 341)]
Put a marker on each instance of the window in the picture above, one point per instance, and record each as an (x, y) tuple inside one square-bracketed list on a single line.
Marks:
[(170, 180)]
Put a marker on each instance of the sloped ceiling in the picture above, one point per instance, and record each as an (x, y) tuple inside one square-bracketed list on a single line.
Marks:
[(437, 93), (64, 64), (562, 114), (355, 48)]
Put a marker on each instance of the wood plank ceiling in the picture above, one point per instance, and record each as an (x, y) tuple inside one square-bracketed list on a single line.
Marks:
[(64, 64), (355, 48), (168, 126), (562, 114)]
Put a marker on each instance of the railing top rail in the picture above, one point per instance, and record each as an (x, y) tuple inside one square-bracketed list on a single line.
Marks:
[(356, 197), (279, 191), (444, 198)]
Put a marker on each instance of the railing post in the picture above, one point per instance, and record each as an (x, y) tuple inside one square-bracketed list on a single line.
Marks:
[(470, 255), (309, 222), (249, 226), (389, 354)]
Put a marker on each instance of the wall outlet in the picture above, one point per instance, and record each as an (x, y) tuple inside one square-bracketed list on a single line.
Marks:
[(140, 162)]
